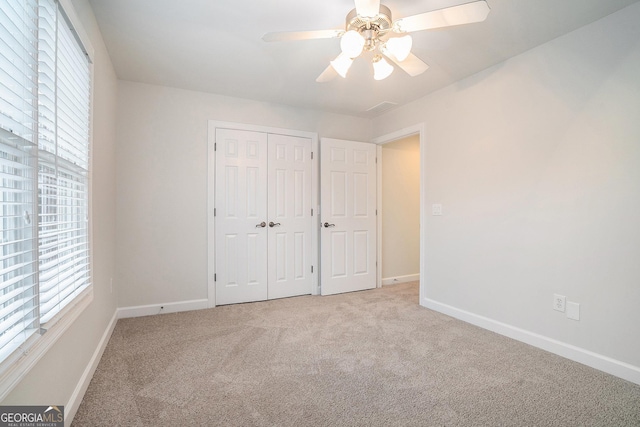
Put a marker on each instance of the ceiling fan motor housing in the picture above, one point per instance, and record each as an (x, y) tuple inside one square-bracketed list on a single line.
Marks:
[(370, 29)]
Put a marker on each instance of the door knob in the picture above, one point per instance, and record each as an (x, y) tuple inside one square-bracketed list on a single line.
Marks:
[(274, 224), (262, 224), (327, 225)]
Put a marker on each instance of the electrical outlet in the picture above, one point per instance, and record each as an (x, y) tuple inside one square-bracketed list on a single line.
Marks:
[(573, 310), (559, 302), (436, 209)]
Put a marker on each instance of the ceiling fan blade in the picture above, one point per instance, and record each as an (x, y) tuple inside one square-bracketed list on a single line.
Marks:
[(413, 65), (368, 8), (328, 74), (467, 13), (302, 35)]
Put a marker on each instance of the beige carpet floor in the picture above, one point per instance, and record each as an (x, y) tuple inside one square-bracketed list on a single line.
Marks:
[(371, 358)]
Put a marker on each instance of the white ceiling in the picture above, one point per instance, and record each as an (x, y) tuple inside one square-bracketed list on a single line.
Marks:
[(215, 46)]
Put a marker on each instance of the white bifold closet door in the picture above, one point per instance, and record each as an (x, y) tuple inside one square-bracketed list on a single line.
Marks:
[(263, 216)]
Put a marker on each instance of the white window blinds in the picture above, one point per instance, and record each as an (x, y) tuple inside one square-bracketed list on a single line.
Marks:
[(45, 94), (64, 100), (18, 60), (18, 113)]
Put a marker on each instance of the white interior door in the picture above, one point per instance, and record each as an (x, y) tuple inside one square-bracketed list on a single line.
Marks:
[(241, 216), (348, 216), (289, 218)]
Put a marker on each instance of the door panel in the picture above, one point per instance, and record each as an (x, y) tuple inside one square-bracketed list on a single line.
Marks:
[(300, 257), (361, 249), (348, 200), (338, 194), (289, 209), (241, 204), (338, 254)]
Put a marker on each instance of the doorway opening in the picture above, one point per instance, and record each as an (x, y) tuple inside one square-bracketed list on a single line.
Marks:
[(401, 211), (401, 203)]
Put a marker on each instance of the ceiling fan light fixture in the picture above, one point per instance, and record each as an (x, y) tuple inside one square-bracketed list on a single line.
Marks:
[(352, 43), (399, 47), (381, 68), (342, 64), (372, 23)]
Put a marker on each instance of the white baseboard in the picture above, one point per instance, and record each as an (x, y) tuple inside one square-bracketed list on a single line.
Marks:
[(400, 279), (73, 404), (603, 363), (170, 307)]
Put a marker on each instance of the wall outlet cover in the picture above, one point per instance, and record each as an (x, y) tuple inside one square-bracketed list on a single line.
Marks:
[(436, 209), (559, 302)]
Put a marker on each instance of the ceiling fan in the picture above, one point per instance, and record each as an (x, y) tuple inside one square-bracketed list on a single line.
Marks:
[(370, 28)]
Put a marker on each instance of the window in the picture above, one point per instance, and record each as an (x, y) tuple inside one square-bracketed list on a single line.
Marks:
[(63, 151), (45, 91)]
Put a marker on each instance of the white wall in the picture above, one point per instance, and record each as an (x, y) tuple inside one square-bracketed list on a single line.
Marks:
[(537, 164), (162, 182), (53, 380), (401, 208)]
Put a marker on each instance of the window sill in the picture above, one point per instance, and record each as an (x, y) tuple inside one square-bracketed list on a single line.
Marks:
[(18, 365)]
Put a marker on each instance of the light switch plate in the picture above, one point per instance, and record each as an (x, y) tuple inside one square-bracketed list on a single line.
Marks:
[(573, 310), (436, 209)]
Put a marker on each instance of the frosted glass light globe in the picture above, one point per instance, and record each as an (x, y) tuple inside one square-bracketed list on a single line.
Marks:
[(352, 43), (400, 47), (381, 69)]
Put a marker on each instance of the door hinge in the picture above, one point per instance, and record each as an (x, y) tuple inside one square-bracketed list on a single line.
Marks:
[(376, 160), (215, 146), (312, 155), (215, 277), (312, 212), (312, 268), (376, 212), (214, 211)]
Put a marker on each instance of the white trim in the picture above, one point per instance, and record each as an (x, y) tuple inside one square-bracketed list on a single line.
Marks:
[(400, 279), (215, 124), (73, 404), (169, 307), (399, 134), (211, 229), (211, 188), (418, 129), (315, 221), (603, 363), (19, 368), (379, 213)]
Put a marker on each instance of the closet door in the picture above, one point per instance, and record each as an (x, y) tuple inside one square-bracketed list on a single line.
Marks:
[(241, 216), (263, 220), (289, 207), (348, 198)]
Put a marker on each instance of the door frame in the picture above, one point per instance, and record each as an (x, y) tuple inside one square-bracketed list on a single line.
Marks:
[(417, 129), (211, 189)]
